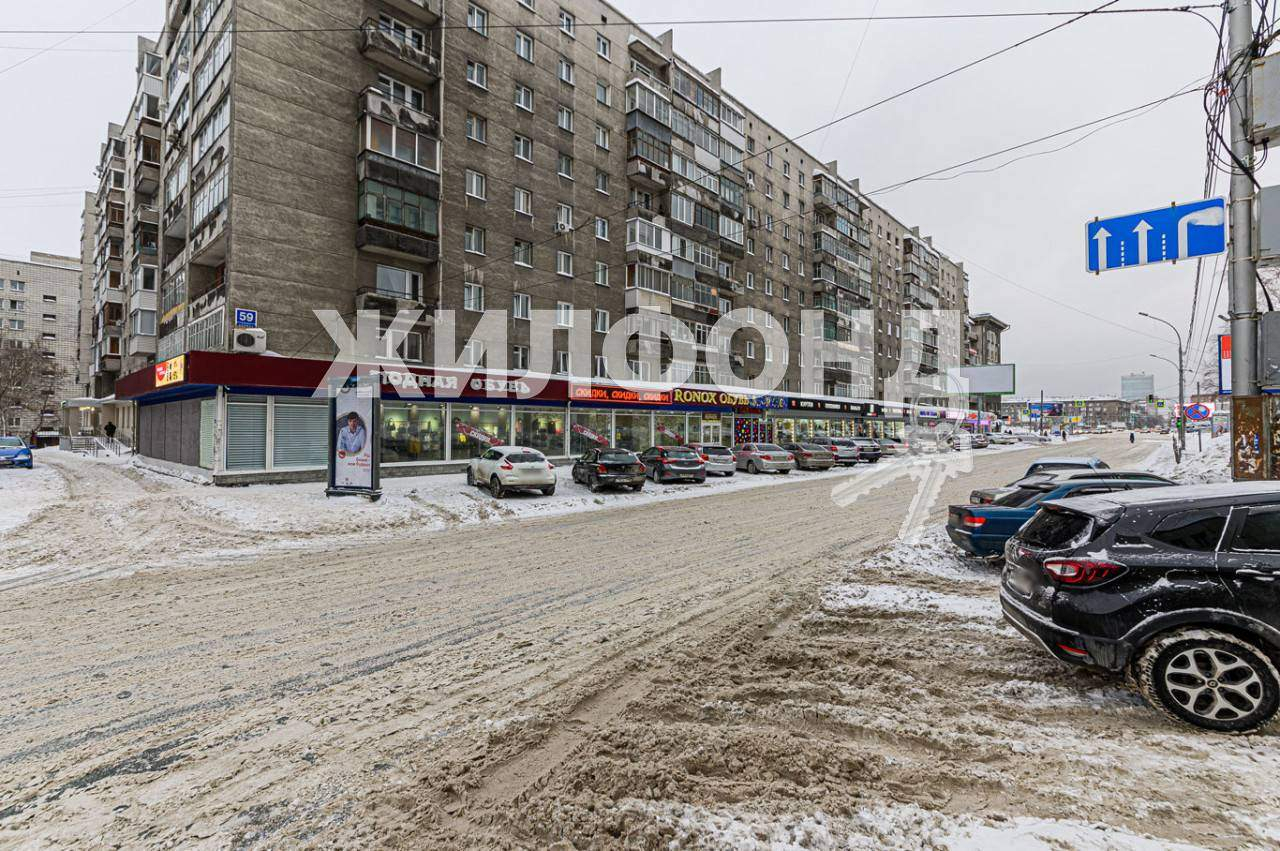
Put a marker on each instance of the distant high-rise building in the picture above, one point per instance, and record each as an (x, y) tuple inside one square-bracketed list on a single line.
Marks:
[(1137, 386)]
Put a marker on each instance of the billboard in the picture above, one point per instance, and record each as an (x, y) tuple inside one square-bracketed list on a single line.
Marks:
[(1224, 364), (993, 378), (353, 439)]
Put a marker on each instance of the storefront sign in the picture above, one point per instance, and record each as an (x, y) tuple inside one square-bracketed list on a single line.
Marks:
[(578, 428), (714, 398), (618, 395), (424, 382), (354, 439), (474, 433), (857, 409), (172, 371)]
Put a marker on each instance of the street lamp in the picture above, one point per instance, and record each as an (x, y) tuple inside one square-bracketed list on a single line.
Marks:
[(1182, 401)]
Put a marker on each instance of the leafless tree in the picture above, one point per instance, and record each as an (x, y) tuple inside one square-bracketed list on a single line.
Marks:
[(29, 380)]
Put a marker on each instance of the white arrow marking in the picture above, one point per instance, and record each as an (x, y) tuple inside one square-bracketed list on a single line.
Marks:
[(1102, 236), (1207, 216), (1141, 229)]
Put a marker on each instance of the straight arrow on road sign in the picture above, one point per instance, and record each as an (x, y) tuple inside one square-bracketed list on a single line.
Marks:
[(1195, 229)]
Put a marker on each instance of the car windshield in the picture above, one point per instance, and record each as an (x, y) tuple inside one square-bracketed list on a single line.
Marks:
[(617, 455), (680, 452), (10, 443), (524, 457), (768, 447), (812, 447), (715, 450), (840, 441)]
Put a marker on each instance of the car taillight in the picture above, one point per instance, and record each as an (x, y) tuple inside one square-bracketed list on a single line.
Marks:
[(643, 468), (972, 522), (790, 457), (506, 465), (600, 468), (1081, 572), (806, 454), (551, 466), (704, 458), (767, 457)]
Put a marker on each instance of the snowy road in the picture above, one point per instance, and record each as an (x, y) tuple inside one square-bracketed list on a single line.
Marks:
[(674, 670)]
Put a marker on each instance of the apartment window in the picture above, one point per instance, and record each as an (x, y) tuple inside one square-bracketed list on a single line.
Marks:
[(603, 48), (600, 321), (523, 148), (601, 366), (477, 74), (562, 362), (604, 94), (602, 182), (682, 208), (786, 200), (566, 71), (768, 158), (800, 178), (478, 19), (751, 246), (473, 297), (523, 253), (144, 323), (402, 32), (786, 292), (564, 118), (751, 315), (49, 317), (768, 286), (564, 166), (564, 263), (564, 216), (567, 23), (520, 305), (17, 324), (768, 319), (602, 228), (520, 357), (472, 352), (524, 46), (768, 222), (564, 314), (477, 128), (602, 136), (473, 239), (602, 273), (751, 349), (401, 283), (523, 201), (768, 254), (786, 169), (477, 185), (401, 92), (768, 353), (751, 280), (786, 261), (524, 97)]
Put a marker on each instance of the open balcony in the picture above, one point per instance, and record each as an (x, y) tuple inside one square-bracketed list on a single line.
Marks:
[(398, 54), (420, 11), (146, 177)]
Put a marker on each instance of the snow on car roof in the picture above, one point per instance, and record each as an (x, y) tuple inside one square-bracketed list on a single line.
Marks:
[(1174, 493), (1067, 459)]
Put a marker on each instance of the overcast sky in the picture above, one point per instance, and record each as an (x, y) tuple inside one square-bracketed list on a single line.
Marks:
[(1019, 230)]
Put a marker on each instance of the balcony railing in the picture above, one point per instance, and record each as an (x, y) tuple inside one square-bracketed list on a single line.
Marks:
[(400, 51)]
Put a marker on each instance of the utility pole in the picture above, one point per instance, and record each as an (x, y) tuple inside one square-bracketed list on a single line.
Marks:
[(1243, 292)]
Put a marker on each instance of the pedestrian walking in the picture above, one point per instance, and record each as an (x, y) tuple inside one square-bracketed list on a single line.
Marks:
[(1131, 437), (110, 429)]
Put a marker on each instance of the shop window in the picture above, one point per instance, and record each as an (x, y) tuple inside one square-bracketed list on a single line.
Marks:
[(632, 431), (670, 429), (542, 429), (590, 430), (412, 431), (477, 427)]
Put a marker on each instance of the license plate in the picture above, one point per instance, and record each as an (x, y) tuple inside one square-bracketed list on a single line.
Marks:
[(1020, 580)]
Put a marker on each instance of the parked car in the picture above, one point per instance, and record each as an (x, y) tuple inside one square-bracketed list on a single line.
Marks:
[(868, 450), (1002, 438), (509, 468), (981, 441), (982, 530), (674, 463), (1177, 587), (609, 467), (844, 449), (892, 446), (764, 458), (811, 456), (14, 452), (717, 458), (984, 496)]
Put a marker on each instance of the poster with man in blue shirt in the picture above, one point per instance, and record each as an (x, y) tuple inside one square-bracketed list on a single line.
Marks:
[(353, 460)]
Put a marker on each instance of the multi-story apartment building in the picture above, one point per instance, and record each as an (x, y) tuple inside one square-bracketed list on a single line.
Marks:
[(534, 157), (1071, 412), (1137, 386), (40, 310)]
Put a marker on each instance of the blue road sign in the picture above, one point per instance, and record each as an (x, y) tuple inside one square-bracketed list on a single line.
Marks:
[(246, 318), (1168, 234)]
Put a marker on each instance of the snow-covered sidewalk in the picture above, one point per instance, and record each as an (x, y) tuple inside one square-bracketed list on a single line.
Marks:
[(1208, 466)]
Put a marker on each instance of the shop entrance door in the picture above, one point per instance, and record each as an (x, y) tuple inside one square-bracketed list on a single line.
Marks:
[(711, 432)]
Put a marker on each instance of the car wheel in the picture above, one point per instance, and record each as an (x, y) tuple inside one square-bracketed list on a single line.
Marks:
[(729, 474), (593, 485), (471, 478), (638, 488), (752, 468), (495, 488), (784, 472), (1209, 679), (549, 491)]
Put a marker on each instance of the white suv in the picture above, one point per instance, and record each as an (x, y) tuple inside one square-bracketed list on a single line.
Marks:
[(504, 468)]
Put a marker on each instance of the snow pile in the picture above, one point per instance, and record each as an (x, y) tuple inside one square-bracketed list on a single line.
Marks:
[(902, 598), (1210, 466), (24, 492), (932, 553), (897, 827)]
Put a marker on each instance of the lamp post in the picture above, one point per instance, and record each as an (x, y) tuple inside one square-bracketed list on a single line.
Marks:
[(1182, 401)]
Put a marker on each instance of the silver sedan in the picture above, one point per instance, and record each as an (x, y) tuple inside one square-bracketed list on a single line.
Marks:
[(764, 458), (719, 459)]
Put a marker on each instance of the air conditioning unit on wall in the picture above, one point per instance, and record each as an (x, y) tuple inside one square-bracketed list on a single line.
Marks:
[(250, 340)]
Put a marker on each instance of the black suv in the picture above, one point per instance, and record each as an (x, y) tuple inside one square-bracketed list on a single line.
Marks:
[(1179, 588)]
